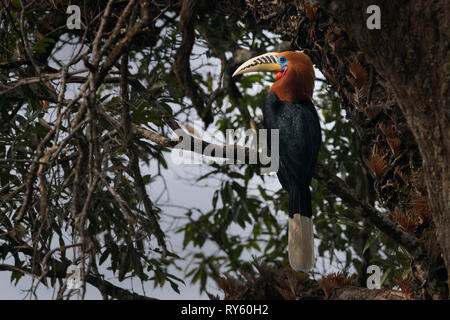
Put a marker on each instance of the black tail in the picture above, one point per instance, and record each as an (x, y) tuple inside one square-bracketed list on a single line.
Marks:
[(300, 202)]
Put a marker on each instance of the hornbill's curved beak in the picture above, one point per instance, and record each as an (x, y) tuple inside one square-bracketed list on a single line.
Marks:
[(264, 62)]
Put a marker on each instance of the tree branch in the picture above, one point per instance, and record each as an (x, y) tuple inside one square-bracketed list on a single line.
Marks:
[(381, 220), (181, 65), (59, 268)]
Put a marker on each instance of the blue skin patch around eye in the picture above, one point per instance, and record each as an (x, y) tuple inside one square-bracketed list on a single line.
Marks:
[(282, 61)]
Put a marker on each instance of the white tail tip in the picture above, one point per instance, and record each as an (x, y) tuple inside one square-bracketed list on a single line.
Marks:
[(301, 243)]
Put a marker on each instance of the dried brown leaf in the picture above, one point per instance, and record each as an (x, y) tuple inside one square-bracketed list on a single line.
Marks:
[(372, 111), (333, 281), (310, 12), (406, 285), (421, 209), (377, 164), (286, 294), (387, 129), (233, 288), (329, 73), (338, 44), (394, 144), (401, 175), (211, 296), (408, 223), (359, 74)]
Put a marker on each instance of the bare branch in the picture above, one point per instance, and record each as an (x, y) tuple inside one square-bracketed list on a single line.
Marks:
[(181, 65)]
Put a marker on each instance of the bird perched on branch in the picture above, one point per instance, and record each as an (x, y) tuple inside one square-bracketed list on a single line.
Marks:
[(288, 107)]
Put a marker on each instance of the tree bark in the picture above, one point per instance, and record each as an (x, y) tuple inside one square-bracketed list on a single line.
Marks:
[(411, 52)]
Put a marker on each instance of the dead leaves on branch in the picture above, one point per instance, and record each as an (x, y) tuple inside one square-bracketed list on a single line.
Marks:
[(403, 176), (393, 141), (355, 74), (406, 286), (359, 81), (310, 12), (413, 211), (387, 129), (334, 281), (416, 213), (394, 144), (233, 288), (330, 74), (334, 39), (419, 199), (271, 283), (408, 222), (421, 208), (377, 164), (359, 75)]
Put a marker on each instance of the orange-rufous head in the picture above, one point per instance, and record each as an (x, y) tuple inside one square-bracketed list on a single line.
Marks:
[(295, 74)]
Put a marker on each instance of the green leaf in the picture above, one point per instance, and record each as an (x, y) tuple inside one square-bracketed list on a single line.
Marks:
[(369, 242), (42, 44), (385, 275), (104, 256)]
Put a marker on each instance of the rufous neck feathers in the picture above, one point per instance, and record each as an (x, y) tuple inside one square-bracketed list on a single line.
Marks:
[(297, 83)]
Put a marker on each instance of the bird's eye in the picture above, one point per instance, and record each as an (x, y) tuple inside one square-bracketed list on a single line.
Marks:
[(282, 60)]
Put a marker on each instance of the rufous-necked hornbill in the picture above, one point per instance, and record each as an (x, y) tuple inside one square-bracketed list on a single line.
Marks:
[(288, 107)]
